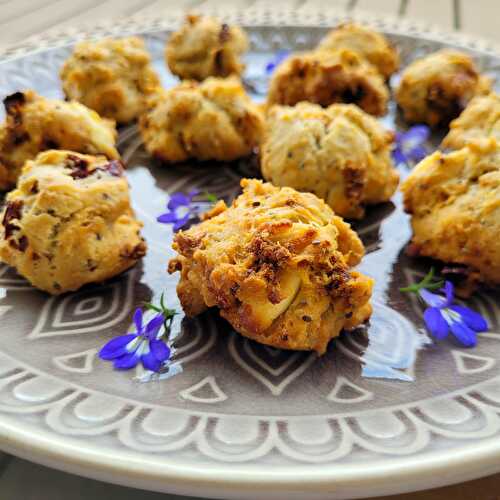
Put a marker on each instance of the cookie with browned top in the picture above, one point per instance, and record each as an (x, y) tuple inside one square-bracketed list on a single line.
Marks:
[(212, 120), (69, 222), (326, 77), (436, 88), (34, 124), (111, 76), (278, 265), (367, 43), (454, 202), (203, 47), (339, 153), (480, 119)]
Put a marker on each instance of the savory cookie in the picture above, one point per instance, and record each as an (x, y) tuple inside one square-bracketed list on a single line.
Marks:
[(69, 222), (339, 153), (111, 76), (481, 118), (277, 263), (373, 46), (329, 76), (454, 202), (205, 47), (436, 88), (34, 124), (212, 120)]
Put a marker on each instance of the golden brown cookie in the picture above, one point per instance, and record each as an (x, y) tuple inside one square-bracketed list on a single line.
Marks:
[(454, 202), (436, 88), (480, 119), (339, 153), (213, 120), (69, 222), (277, 263), (367, 43), (111, 76), (34, 123), (328, 77), (205, 47)]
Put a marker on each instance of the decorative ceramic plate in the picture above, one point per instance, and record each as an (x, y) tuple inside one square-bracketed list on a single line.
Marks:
[(386, 410)]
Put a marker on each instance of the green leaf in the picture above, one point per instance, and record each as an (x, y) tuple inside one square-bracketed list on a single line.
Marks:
[(210, 197)]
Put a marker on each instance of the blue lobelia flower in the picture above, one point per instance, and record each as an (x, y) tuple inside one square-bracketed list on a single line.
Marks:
[(442, 316), (410, 145), (180, 209), (277, 59), (145, 345)]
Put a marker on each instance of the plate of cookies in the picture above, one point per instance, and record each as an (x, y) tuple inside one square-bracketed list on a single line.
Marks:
[(246, 256)]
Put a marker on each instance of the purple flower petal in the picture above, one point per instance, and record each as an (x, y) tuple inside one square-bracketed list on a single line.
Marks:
[(126, 361), (153, 327), (178, 200), (435, 322), (417, 134), (449, 291), (432, 299), (167, 218), (471, 318), (398, 156), (160, 350), (192, 194), (418, 153), (150, 362), (278, 58), (181, 222), (116, 347), (138, 320), (463, 333)]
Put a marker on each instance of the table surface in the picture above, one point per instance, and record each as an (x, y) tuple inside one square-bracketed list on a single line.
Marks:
[(20, 19)]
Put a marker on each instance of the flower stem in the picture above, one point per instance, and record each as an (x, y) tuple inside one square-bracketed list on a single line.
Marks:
[(427, 283)]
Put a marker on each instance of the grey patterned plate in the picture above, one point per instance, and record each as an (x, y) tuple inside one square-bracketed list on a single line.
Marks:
[(384, 411)]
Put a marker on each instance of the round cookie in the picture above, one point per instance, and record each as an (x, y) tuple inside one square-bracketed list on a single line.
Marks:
[(111, 76), (277, 263), (454, 202), (480, 119), (436, 88), (367, 43), (339, 153), (205, 47), (69, 222), (34, 124), (327, 77), (213, 120)]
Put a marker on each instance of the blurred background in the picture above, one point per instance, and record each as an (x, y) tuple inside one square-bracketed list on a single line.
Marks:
[(21, 19)]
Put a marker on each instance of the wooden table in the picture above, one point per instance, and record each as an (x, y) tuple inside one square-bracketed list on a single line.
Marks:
[(20, 19)]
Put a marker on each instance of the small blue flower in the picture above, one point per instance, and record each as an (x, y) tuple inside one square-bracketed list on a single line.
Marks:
[(180, 210), (410, 145), (442, 316), (145, 345), (277, 59)]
